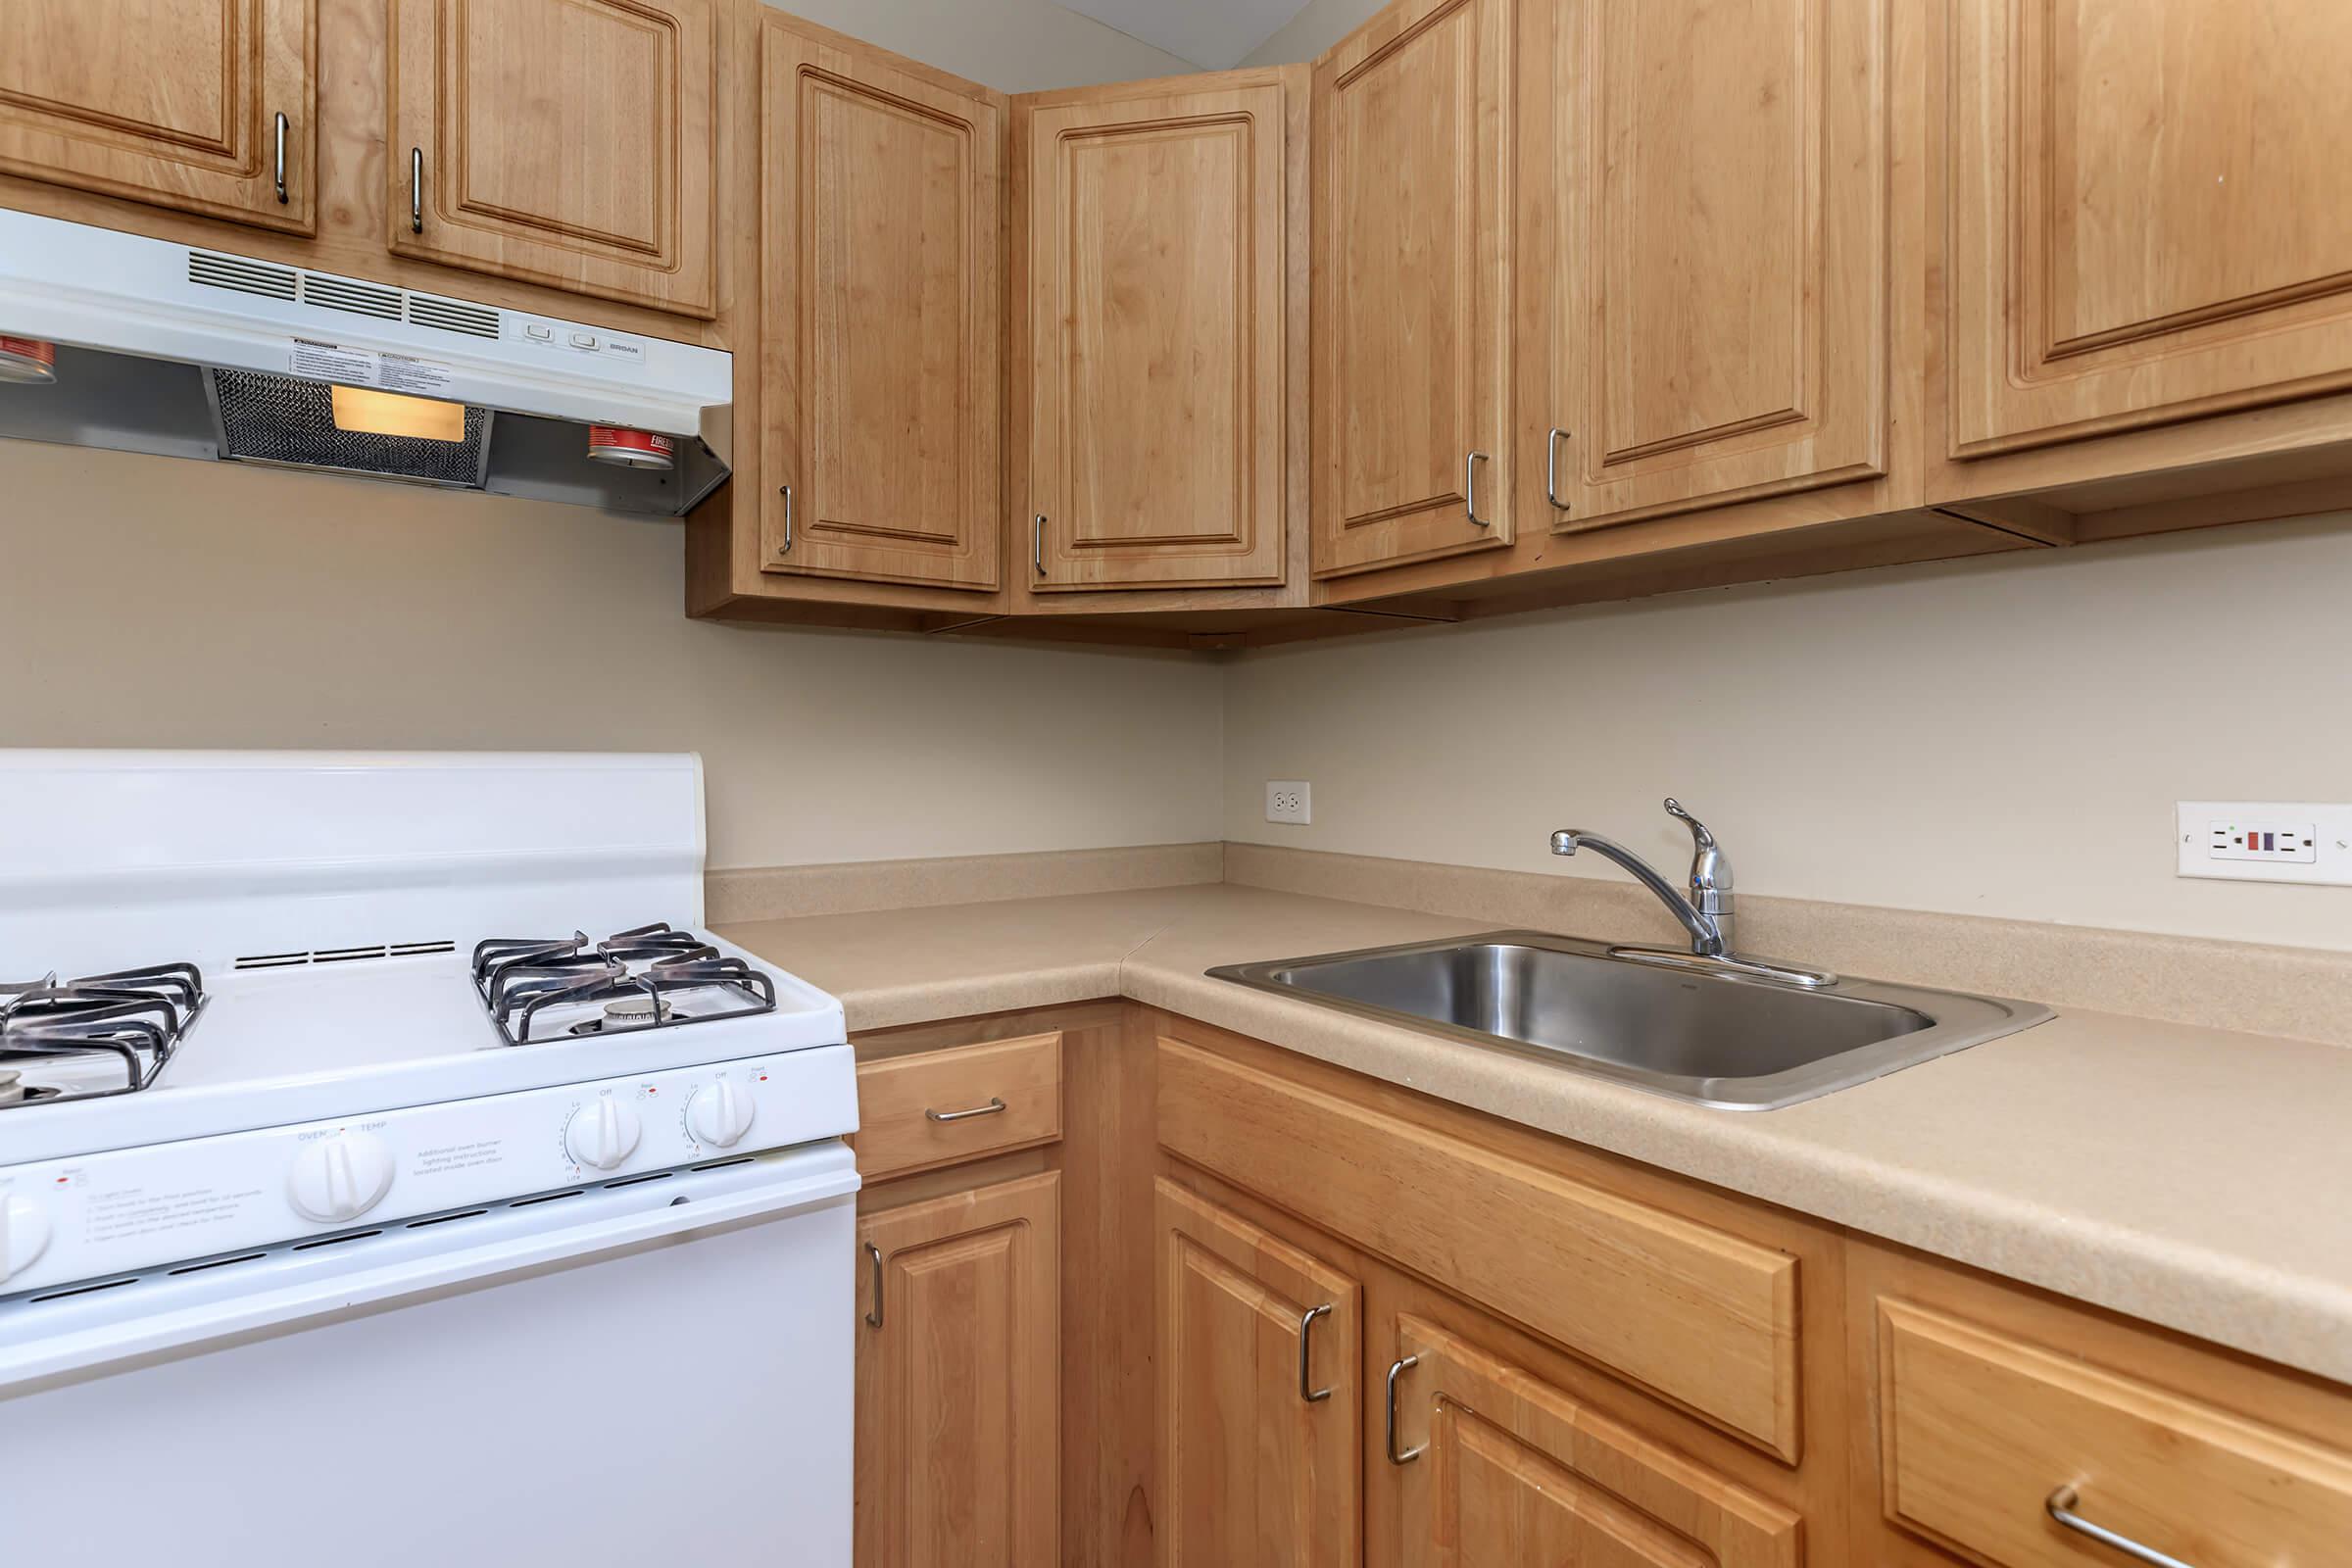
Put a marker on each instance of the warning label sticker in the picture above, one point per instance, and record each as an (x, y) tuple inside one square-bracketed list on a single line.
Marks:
[(355, 366)]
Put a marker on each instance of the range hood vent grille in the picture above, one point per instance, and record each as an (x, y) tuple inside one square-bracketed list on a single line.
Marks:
[(242, 275), (281, 420), (344, 294), (453, 316)]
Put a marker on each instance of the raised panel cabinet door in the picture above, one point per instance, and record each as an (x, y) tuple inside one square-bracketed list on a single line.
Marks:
[(1721, 195), (881, 212), (959, 1342), (207, 106), (1261, 1437), (1502, 1467), (1413, 256), (567, 142), (2151, 213), (1154, 366)]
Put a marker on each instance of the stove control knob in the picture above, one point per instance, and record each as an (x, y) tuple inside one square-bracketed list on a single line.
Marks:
[(23, 1235), (719, 1113), (340, 1176), (602, 1133)]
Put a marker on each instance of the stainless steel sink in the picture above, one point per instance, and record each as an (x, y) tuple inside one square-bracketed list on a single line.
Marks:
[(1684, 1028)]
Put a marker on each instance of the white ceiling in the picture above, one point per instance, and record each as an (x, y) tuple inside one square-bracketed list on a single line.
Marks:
[(1215, 34)]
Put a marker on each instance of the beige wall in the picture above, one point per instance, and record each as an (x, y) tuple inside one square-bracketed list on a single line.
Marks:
[(1010, 45), (2001, 737), (161, 602)]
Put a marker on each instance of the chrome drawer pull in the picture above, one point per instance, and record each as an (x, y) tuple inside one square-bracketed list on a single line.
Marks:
[(989, 1110), (1551, 466), (785, 548), (1409, 1454), (873, 1258), (1306, 1323), (1470, 487), (281, 159), (416, 190), (2062, 1508)]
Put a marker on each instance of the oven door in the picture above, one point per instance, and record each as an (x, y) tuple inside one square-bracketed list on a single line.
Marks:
[(656, 1371)]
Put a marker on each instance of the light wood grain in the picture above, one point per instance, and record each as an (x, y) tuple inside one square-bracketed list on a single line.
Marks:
[(881, 196), (173, 102), (1250, 1471), (1980, 1427), (1156, 357), (571, 142), (2151, 214), (1701, 1316), (1722, 191), (956, 1431), (1413, 253), (1514, 1470), (897, 1134)]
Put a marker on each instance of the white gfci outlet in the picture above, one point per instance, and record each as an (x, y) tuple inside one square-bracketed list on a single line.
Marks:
[(2266, 840), (1290, 799)]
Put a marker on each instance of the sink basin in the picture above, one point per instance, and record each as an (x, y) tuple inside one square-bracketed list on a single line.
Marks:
[(1690, 1032)]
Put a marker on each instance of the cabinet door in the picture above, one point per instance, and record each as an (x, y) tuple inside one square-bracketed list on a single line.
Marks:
[(202, 105), (1413, 294), (958, 1452), (567, 142), (1154, 364), (1261, 1442), (1719, 179), (1502, 1467), (881, 197), (2151, 213)]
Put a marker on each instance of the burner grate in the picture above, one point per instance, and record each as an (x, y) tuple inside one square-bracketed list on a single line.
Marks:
[(648, 977), (136, 1018)]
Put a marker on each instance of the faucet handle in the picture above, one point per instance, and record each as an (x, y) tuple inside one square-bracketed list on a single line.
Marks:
[(1698, 830)]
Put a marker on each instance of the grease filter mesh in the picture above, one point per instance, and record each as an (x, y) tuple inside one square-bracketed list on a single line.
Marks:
[(285, 419)]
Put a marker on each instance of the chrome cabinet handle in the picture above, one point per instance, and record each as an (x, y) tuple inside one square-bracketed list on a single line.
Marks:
[(1037, 544), (785, 548), (1396, 1369), (1470, 487), (416, 190), (873, 1259), (1306, 1323), (2062, 1508), (993, 1107), (1551, 466), (281, 159)]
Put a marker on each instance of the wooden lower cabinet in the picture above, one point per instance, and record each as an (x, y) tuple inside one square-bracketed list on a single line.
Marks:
[(1501, 1467), (957, 1440), (1260, 1434)]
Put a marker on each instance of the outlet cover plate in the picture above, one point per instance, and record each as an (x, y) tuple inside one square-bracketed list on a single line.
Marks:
[(1290, 799), (2313, 843)]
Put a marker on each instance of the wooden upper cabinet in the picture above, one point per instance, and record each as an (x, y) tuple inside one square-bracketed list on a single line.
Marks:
[(173, 102), (1155, 353), (881, 214), (958, 1452), (567, 142), (1509, 1469), (1260, 1397), (1413, 255), (2151, 213), (1719, 192)]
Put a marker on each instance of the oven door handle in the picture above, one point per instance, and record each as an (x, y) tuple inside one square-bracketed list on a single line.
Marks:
[(164, 1313)]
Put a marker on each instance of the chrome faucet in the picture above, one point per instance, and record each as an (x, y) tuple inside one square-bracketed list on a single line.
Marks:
[(1707, 912)]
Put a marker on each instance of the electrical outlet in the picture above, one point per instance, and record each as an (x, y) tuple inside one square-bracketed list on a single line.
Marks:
[(1290, 799), (2254, 841)]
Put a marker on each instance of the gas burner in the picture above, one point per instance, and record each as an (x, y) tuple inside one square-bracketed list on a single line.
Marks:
[(543, 989), (100, 1035)]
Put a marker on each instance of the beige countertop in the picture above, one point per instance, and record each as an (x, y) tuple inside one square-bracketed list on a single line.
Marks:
[(2194, 1177)]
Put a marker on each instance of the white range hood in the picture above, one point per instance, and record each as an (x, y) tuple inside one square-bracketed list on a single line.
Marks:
[(188, 352)]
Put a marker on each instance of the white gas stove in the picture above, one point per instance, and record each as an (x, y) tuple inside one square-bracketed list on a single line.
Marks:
[(289, 1039)]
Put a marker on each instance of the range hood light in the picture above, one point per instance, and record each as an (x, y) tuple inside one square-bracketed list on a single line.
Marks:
[(362, 412), (27, 360)]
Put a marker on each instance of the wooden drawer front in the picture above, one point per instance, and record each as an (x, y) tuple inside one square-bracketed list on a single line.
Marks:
[(899, 1100), (1706, 1319), (1979, 1428), (1512, 1470)]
